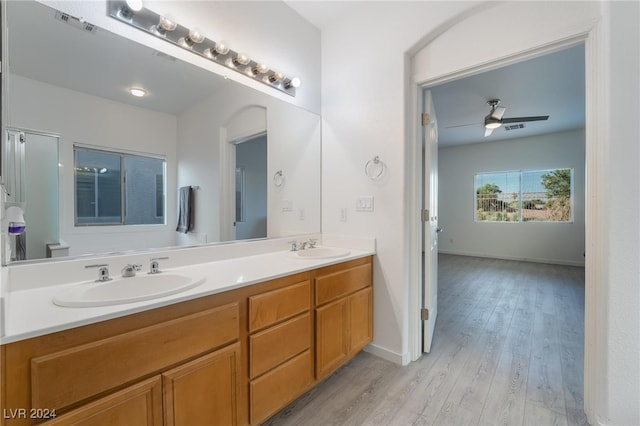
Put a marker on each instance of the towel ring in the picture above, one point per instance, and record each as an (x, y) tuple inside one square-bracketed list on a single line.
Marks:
[(278, 178), (374, 169)]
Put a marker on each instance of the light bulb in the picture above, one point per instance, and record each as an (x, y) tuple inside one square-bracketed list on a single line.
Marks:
[(194, 37), (130, 8), (276, 76), (221, 47), (241, 59), (493, 125), (294, 82), (164, 24), (260, 69), (137, 92)]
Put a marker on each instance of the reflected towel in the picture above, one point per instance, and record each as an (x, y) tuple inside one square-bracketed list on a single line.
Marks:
[(185, 210)]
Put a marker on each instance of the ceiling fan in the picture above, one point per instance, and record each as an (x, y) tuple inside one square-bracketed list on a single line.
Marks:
[(495, 118)]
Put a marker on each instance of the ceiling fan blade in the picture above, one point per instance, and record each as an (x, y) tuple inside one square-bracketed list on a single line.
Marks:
[(498, 112), (523, 119), (463, 125), (487, 132)]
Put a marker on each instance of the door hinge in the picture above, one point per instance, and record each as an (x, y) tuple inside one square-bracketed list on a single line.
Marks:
[(426, 119), (424, 314), (425, 215)]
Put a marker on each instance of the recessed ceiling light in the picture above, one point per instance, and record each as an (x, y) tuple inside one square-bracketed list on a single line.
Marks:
[(137, 92)]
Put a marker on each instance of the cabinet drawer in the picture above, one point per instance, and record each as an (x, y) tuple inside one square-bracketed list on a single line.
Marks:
[(338, 284), (273, 346), (274, 306), (108, 363), (274, 390)]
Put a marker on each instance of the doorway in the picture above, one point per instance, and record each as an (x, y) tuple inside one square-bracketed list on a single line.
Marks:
[(251, 187)]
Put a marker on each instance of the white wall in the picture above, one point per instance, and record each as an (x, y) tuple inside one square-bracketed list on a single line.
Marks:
[(85, 119), (267, 30), (540, 242)]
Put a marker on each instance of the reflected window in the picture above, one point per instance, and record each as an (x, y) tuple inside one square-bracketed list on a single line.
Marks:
[(114, 188)]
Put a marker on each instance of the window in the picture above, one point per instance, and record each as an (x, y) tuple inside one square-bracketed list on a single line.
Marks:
[(529, 196), (115, 188)]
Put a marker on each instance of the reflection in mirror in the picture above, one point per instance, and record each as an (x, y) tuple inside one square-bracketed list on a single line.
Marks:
[(192, 128)]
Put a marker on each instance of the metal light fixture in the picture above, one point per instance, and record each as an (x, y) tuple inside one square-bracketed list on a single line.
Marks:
[(132, 12)]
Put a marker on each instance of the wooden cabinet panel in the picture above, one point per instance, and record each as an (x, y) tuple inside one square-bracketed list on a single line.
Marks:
[(331, 337), (360, 319), (112, 362), (269, 308), (140, 404), (277, 388), (273, 346), (339, 284), (204, 391)]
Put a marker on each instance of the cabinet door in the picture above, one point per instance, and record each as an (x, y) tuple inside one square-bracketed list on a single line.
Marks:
[(331, 337), (360, 320), (203, 391), (139, 404)]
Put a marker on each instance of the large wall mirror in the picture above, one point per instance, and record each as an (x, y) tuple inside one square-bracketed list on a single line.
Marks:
[(97, 170)]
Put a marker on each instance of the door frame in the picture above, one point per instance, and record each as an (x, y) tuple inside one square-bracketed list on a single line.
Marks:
[(596, 103)]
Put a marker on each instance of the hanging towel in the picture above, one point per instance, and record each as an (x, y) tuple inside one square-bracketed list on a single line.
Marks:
[(185, 210)]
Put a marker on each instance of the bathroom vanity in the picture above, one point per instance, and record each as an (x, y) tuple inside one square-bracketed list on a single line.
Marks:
[(233, 357)]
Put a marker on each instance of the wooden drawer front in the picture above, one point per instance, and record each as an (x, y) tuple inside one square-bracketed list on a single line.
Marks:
[(204, 391), (269, 308), (274, 390), (140, 404), (273, 346), (69, 376), (332, 286)]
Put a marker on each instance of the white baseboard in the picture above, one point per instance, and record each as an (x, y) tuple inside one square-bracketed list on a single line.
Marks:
[(384, 353), (523, 259)]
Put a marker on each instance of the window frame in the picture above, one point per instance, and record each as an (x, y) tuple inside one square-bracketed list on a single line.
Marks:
[(520, 197), (123, 207)]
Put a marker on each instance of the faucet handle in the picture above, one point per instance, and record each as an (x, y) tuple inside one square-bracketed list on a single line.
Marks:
[(103, 272), (312, 242), (154, 266), (294, 245)]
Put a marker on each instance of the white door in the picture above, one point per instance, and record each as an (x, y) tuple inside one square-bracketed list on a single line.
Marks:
[(430, 221)]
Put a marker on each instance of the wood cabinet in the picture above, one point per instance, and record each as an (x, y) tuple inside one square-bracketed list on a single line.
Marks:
[(344, 315), (233, 358), (280, 358)]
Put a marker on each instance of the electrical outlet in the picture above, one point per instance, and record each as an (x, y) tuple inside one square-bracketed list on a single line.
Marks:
[(301, 214), (343, 214), (364, 204), (287, 206)]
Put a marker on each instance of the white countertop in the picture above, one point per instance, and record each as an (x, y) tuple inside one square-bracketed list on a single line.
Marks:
[(30, 312)]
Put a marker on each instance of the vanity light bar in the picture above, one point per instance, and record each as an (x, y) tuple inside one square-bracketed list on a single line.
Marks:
[(192, 40)]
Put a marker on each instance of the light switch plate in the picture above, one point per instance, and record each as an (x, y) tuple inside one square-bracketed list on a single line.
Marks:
[(364, 204), (287, 206)]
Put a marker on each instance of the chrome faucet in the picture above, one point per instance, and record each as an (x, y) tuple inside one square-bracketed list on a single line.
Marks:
[(294, 245), (130, 270), (154, 266), (312, 243), (103, 272)]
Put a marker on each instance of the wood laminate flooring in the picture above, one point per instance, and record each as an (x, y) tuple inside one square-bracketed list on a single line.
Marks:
[(508, 350)]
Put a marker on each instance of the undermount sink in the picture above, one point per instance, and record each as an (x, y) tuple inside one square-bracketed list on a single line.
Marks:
[(125, 290), (320, 253)]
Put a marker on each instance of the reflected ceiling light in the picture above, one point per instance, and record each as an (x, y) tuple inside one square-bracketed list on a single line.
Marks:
[(132, 12), (294, 82), (164, 24), (137, 92), (130, 8)]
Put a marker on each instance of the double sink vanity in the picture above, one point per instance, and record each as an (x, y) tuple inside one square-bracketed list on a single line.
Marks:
[(230, 341)]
